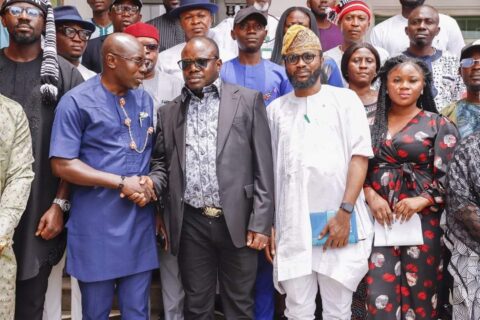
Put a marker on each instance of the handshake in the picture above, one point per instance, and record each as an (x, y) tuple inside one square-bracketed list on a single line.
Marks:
[(138, 189)]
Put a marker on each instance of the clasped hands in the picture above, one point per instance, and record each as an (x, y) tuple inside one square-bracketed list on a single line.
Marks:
[(402, 211), (139, 190)]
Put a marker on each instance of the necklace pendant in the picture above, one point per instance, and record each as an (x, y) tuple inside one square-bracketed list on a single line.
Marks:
[(133, 145), (128, 122), (122, 102)]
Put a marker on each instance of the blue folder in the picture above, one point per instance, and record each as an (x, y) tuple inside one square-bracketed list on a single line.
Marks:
[(318, 221)]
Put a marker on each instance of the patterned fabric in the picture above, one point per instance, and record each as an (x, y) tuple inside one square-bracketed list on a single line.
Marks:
[(170, 31), (447, 83), (466, 115), (16, 176), (371, 109), (101, 31), (403, 280), (463, 227), (299, 39), (201, 147)]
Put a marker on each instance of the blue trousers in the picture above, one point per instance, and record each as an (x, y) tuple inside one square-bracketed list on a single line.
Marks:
[(133, 293), (264, 289)]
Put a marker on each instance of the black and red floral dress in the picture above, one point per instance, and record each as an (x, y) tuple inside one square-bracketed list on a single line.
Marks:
[(403, 281)]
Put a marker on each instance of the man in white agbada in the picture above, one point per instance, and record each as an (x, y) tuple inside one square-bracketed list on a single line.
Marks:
[(321, 145)]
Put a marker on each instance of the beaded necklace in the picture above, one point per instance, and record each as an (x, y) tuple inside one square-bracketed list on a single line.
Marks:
[(128, 123)]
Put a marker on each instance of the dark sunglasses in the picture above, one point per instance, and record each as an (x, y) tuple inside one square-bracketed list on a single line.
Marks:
[(200, 63), (138, 61), (468, 62), (70, 32), (125, 8), (17, 11), (151, 46), (307, 57)]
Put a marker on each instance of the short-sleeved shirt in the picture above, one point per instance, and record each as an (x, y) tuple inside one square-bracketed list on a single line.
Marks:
[(267, 77), (466, 115), (108, 237)]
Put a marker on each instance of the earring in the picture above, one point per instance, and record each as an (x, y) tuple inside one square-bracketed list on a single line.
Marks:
[(421, 93)]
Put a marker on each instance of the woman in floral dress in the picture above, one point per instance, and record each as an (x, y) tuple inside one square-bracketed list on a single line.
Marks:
[(412, 145)]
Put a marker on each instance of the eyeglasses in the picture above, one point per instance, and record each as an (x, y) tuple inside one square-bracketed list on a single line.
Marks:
[(468, 62), (125, 8), (151, 46), (307, 57), (200, 63), (138, 61), (70, 32), (31, 12)]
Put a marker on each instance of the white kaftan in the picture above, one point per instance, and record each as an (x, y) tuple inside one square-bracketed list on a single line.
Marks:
[(311, 160)]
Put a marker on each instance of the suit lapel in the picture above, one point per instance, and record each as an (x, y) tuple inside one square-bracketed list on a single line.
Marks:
[(179, 132), (227, 109)]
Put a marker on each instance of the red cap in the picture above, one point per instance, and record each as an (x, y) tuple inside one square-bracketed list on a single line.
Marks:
[(353, 6), (141, 29)]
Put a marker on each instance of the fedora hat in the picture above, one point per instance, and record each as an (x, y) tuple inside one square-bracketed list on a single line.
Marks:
[(70, 14), (186, 5)]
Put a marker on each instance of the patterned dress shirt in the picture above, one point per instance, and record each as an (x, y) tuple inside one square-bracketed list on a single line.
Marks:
[(16, 176), (201, 147)]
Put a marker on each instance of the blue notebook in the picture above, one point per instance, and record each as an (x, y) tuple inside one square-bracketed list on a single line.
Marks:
[(318, 221)]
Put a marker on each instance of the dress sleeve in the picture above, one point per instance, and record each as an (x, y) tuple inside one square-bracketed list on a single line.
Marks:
[(445, 142), (67, 130), (18, 176), (462, 203)]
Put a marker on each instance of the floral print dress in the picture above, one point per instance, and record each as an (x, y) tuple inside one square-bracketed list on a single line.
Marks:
[(403, 281)]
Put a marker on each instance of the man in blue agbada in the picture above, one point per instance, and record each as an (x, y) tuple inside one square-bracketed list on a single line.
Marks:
[(251, 71), (101, 144)]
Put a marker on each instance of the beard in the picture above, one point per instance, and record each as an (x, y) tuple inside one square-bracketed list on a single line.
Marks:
[(307, 83), (22, 38), (261, 7), (149, 65), (411, 3)]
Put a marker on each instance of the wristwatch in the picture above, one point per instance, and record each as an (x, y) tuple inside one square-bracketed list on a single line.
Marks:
[(348, 207), (62, 203)]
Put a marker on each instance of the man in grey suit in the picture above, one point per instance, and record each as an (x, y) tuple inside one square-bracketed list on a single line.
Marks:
[(212, 167)]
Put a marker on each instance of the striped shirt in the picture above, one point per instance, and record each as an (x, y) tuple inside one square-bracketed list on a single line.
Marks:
[(171, 33)]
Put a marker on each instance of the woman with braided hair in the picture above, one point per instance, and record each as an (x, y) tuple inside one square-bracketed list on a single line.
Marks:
[(412, 144)]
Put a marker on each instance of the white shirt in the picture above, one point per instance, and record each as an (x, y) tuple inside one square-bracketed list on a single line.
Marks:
[(86, 73), (390, 35), (336, 54), (163, 88), (223, 38), (311, 161), (168, 59)]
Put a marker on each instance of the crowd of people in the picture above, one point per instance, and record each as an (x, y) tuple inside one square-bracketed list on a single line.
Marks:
[(268, 162)]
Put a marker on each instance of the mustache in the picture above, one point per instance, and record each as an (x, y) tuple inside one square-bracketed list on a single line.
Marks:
[(19, 25)]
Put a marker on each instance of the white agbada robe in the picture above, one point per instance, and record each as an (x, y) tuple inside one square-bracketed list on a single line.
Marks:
[(311, 162)]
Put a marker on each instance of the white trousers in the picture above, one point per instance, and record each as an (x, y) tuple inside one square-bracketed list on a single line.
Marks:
[(52, 309), (301, 293)]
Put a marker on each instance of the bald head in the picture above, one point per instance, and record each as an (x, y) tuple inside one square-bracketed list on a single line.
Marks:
[(422, 26), (123, 61), (120, 43), (201, 65)]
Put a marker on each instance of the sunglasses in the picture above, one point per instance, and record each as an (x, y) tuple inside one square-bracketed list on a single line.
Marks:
[(70, 32), (125, 8), (17, 11), (138, 61), (307, 57), (468, 62), (151, 47), (200, 63)]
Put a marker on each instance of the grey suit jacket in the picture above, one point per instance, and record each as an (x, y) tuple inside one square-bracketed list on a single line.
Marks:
[(244, 163)]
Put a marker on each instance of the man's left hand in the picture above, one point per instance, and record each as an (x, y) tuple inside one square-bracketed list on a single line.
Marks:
[(338, 229), (51, 223), (256, 240)]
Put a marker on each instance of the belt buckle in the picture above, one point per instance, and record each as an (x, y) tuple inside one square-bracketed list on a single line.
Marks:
[(212, 212)]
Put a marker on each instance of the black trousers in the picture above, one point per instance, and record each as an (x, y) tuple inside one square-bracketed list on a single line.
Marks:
[(207, 250), (30, 295)]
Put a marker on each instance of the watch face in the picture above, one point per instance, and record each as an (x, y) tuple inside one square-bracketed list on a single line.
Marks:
[(347, 207)]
